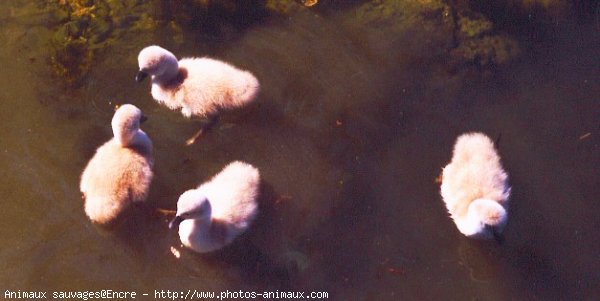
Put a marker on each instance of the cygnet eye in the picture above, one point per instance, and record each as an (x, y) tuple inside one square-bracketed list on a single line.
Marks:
[(199, 211)]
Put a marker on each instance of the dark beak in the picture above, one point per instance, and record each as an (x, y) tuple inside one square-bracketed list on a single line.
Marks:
[(143, 119), (140, 76), (497, 142), (174, 224), (498, 237)]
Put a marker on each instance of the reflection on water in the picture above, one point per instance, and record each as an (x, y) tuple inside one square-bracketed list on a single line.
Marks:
[(349, 132)]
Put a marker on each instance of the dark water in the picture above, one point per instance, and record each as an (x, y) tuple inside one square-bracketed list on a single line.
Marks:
[(349, 132)]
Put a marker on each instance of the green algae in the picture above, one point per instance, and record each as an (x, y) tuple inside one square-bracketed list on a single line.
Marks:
[(82, 28)]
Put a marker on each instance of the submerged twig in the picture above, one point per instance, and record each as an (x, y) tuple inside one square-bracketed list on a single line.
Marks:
[(585, 136), (167, 212)]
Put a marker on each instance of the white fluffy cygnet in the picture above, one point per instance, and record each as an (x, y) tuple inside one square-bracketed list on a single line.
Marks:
[(475, 189), (120, 172), (198, 86), (214, 214)]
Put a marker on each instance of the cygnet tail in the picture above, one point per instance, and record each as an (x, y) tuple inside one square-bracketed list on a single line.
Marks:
[(243, 180), (245, 87), (101, 211)]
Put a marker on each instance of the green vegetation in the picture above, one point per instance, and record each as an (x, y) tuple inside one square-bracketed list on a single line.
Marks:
[(84, 28), (478, 43)]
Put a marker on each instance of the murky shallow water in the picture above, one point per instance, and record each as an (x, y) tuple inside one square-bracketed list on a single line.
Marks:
[(349, 138)]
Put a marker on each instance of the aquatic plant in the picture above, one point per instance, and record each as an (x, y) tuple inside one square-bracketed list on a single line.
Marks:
[(477, 43), (493, 50), (473, 27), (451, 29), (84, 27), (286, 7)]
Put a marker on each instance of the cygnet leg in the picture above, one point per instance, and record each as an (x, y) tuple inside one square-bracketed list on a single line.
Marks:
[(212, 120)]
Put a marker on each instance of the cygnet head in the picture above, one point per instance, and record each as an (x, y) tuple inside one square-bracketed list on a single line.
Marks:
[(487, 219), (158, 62), (126, 124), (191, 205)]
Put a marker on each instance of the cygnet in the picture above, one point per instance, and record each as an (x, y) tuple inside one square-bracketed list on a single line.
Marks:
[(475, 189), (214, 214), (201, 87), (120, 172)]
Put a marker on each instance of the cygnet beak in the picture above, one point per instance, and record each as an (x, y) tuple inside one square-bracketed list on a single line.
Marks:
[(498, 237), (140, 76), (143, 119), (174, 224)]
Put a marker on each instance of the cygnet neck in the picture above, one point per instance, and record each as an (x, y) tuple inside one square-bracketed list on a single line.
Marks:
[(169, 71), (142, 142), (207, 235), (488, 211), (470, 225), (139, 140)]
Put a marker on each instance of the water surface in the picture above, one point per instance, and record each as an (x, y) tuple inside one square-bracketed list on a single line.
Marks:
[(349, 132)]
